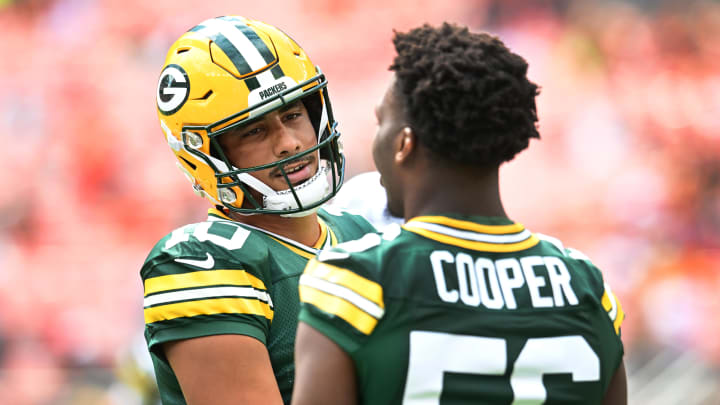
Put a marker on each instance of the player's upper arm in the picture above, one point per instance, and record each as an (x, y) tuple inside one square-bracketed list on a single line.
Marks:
[(339, 296), (324, 373), (223, 370), (199, 283), (616, 393), (208, 311), (608, 300)]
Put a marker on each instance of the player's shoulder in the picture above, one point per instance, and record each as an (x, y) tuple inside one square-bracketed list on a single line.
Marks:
[(207, 278), (578, 262), (364, 256), (209, 245), (348, 272), (585, 274), (345, 221), (587, 278)]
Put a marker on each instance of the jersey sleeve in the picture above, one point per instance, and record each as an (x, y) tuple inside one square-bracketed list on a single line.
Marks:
[(609, 302), (339, 298), (196, 283)]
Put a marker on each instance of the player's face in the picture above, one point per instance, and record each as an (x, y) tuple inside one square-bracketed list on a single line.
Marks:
[(278, 135), (390, 123)]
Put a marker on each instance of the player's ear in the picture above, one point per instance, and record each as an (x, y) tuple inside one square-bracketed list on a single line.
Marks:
[(406, 144)]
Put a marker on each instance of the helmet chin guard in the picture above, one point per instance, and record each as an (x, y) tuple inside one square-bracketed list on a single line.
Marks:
[(309, 193)]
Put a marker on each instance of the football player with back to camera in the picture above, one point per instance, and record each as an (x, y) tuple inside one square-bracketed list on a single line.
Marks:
[(461, 304), (248, 117)]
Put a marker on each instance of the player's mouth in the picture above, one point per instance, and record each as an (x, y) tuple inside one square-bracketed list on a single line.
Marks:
[(297, 172)]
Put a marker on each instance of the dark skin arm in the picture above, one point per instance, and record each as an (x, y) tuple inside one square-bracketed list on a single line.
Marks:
[(223, 370), (319, 359), (616, 393)]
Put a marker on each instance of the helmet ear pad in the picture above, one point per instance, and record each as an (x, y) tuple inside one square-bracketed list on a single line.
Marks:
[(314, 104)]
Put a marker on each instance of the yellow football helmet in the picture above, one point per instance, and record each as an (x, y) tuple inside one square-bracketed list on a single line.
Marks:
[(222, 74)]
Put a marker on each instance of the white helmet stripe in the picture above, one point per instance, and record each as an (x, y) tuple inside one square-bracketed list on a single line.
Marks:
[(266, 79), (237, 38)]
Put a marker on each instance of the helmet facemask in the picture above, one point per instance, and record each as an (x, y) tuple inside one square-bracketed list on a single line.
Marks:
[(235, 185)]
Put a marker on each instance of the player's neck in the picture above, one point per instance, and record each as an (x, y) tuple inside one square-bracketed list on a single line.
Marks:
[(477, 195), (305, 230)]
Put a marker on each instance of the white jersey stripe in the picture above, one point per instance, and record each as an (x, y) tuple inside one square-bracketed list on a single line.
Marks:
[(345, 293), (473, 236), (205, 293)]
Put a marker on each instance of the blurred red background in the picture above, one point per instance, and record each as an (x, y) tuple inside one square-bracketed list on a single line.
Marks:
[(627, 171)]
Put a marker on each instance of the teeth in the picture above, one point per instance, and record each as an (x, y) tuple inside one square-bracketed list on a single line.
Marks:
[(293, 170)]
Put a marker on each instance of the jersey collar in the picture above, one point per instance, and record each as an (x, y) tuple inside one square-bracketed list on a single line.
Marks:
[(327, 236), (479, 233)]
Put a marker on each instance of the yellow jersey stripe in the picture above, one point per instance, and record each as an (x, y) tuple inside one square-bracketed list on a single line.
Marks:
[(606, 303), (339, 307), (297, 251), (367, 289), (614, 309), (473, 245), (333, 238), (202, 279), (324, 229), (470, 226), (619, 318), (323, 235), (208, 307)]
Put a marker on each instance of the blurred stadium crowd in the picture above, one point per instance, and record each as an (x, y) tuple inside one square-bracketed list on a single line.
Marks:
[(628, 170)]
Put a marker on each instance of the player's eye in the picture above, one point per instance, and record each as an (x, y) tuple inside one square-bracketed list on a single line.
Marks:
[(251, 132)]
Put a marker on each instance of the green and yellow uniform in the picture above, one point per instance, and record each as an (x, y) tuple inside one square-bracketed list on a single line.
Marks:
[(466, 310), (224, 277)]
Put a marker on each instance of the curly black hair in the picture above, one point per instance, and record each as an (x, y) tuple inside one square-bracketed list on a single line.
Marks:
[(466, 95)]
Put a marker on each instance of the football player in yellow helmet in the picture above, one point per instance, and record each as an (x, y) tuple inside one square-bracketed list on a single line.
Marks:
[(226, 74), (248, 117)]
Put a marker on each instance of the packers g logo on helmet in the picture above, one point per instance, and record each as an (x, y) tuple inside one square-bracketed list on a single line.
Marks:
[(240, 70), (173, 89)]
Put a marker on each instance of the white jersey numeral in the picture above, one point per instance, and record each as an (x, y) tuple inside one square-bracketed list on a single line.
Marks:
[(203, 233), (488, 356)]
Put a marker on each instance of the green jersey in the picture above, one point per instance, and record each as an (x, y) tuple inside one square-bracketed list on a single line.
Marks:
[(224, 277), (466, 310)]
